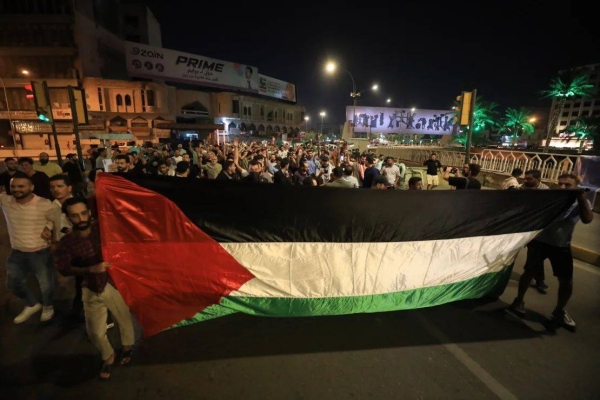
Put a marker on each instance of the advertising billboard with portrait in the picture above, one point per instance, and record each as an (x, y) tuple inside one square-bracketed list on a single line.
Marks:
[(175, 66), (401, 120), (275, 88)]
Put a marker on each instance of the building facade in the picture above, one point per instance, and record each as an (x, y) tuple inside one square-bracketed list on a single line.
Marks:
[(81, 43), (581, 107)]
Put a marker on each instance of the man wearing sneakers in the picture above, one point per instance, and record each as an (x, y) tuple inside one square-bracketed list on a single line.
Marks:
[(26, 217), (554, 243)]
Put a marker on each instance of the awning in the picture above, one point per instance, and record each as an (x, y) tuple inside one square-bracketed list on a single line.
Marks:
[(108, 136), (171, 125), (118, 129), (142, 131)]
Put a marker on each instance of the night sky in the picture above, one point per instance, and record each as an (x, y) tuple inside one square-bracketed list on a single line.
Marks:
[(421, 54)]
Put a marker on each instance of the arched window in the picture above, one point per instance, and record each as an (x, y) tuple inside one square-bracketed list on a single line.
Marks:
[(119, 100), (127, 100)]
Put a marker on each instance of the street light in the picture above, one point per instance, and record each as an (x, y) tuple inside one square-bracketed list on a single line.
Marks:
[(306, 121), (532, 120), (322, 114), (10, 122)]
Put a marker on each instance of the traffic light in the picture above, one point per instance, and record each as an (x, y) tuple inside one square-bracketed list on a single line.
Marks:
[(463, 109), (42, 103), (29, 92)]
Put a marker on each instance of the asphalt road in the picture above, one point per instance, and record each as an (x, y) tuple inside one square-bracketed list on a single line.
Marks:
[(464, 350)]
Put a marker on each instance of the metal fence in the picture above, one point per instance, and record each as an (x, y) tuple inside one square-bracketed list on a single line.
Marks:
[(491, 160)]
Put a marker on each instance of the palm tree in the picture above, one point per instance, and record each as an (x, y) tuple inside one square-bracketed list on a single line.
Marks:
[(568, 84), (516, 122), (484, 116), (586, 128)]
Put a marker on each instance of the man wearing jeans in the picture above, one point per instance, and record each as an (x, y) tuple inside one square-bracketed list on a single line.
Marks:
[(26, 217), (79, 253)]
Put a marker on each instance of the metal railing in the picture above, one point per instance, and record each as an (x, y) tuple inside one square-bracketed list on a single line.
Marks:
[(491, 160)]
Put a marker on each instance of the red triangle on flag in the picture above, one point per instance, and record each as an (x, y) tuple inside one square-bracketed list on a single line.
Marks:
[(165, 267)]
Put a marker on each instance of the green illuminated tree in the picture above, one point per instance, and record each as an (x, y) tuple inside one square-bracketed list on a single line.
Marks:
[(517, 122), (485, 116), (567, 85), (586, 128)]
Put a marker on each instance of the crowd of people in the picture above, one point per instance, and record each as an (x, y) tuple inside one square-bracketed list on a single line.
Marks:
[(50, 216), (284, 164)]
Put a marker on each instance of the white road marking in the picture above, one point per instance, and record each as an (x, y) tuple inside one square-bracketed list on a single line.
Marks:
[(488, 380)]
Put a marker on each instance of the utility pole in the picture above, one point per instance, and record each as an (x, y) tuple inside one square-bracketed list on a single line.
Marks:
[(53, 124), (78, 106)]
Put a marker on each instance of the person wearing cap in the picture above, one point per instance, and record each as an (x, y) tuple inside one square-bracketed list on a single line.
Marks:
[(338, 179), (380, 182), (324, 169)]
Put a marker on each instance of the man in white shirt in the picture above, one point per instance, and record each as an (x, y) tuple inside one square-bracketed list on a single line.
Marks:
[(26, 217), (391, 172), (554, 243), (349, 176)]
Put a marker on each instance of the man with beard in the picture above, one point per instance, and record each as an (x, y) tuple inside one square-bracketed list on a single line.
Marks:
[(533, 180), (62, 190), (124, 165), (80, 253), (40, 180), (26, 217), (47, 167), (6, 176)]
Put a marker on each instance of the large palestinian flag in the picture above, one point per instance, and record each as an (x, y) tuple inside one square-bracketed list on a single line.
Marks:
[(183, 252)]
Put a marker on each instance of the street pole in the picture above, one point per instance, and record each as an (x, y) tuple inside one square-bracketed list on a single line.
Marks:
[(471, 128), (12, 129), (52, 124), (76, 127)]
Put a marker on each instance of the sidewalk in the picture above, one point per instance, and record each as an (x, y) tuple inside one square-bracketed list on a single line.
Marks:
[(586, 242)]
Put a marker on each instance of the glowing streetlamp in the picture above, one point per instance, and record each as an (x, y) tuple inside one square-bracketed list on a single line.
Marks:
[(306, 121), (330, 67), (25, 72), (531, 120)]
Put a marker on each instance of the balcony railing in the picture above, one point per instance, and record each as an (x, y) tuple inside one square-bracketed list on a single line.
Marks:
[(499, 161)]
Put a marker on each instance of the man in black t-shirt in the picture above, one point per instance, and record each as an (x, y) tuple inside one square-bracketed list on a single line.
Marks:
[(433, 165), (468, 181)]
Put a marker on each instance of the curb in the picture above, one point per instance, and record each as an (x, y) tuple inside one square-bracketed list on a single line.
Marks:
[(586, 255)]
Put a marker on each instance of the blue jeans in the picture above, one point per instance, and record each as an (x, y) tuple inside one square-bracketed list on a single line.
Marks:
[(19, 264)]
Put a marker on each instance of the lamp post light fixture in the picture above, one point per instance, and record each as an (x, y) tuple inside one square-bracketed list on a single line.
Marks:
[(330, 67), (322, 114), (10, 121), (306, 122)]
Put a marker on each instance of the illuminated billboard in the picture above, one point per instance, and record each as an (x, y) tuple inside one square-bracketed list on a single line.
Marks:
[(275, 88), (401, 120), (171, 65)]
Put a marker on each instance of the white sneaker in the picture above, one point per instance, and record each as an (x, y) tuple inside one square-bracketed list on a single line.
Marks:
[(26, 313), (47, 313)]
